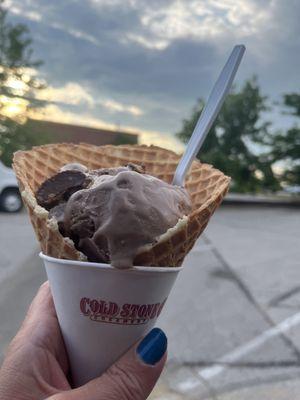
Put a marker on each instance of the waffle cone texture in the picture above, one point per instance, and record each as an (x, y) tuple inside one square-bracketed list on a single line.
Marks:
[(206, 185)]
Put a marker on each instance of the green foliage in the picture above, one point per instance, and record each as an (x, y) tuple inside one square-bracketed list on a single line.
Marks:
[(292, 101), (286, 145), (19, 137), (15, 42), (232, 142), (291, 175), (17, 87)]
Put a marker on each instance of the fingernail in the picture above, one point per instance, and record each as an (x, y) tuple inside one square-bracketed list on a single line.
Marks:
[(153, 346)]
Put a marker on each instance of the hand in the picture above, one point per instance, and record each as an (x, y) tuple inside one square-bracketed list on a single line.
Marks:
[(36, 365)]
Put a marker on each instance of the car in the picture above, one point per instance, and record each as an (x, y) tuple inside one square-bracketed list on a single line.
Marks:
[(10, 198), (293, 189)]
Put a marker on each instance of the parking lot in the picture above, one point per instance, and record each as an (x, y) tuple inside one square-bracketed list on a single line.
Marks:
[(233, 318)]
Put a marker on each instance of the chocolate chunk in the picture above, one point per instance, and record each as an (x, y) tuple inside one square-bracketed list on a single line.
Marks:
[(115, 171), (80, 225), (94, 253), (107, 171), (60, 187), (141, 169), (58, 212)]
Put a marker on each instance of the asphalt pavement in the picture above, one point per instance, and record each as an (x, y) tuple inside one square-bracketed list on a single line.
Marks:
[(232, 319)]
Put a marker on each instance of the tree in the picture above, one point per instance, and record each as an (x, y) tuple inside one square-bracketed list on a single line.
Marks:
[(18, 85), (286, 145), (234, 142)]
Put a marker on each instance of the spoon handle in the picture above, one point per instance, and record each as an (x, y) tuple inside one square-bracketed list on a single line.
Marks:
[(209, 113)]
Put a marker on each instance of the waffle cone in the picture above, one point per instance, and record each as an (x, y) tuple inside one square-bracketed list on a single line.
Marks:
[(207, 187)]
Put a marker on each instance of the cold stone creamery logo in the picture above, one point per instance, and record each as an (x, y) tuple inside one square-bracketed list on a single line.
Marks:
[(113, 313)]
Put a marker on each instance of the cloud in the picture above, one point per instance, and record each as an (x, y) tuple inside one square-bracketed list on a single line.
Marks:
[(73, 94), (115, 106), (144, 63), (149, 43), (17, 9), (162, 22), (55, 113), (74, 32)]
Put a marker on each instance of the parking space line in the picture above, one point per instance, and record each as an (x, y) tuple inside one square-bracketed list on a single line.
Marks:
[(241, 351)]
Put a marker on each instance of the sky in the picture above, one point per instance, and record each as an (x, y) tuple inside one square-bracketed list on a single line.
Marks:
[(141, 65)]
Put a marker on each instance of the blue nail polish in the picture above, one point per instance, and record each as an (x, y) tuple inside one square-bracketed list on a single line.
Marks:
[(153, 346)]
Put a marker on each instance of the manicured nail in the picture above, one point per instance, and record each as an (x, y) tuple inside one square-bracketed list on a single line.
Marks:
[(153, 346)]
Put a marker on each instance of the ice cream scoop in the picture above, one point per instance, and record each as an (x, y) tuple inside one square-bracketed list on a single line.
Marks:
[(111, 213)]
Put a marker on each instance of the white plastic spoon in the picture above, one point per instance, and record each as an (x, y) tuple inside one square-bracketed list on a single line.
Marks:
[(209, 113)]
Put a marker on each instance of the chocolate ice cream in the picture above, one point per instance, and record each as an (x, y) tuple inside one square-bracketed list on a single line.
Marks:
[(111, 213)]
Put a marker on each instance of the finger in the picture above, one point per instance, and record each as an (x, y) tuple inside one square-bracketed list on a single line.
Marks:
[(42, 305), (40, 327), (132, 377), (40, 321)]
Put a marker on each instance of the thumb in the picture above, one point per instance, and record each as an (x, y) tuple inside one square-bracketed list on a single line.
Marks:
[(132, 377)]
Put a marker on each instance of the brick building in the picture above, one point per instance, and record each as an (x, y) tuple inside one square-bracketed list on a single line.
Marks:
[(60, 132)]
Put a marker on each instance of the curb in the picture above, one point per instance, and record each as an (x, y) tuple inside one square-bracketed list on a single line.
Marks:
[(239, 199)]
